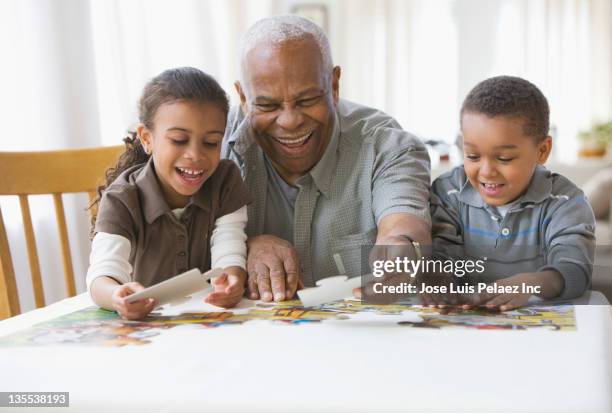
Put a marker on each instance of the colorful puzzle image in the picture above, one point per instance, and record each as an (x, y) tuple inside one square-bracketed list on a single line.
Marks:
[(94, 326)]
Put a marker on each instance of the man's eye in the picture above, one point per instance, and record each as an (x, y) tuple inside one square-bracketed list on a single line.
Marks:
[(472, 157), (505, 159), (179, 141), (212, 144), (309, 101), (266, 107)]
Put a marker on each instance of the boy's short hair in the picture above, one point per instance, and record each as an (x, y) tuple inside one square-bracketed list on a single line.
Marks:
[(510, 96)]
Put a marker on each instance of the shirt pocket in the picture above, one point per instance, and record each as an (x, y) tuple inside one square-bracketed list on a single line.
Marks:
[(354, 249)]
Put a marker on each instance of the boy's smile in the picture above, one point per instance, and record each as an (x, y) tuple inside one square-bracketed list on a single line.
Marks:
[(499, 158)]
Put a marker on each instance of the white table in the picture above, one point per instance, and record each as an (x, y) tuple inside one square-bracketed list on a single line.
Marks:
[(330, 366)]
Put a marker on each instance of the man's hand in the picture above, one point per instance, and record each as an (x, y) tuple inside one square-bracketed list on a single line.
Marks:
[(387, 248), (228, 288), (131, 311), (273, 267)]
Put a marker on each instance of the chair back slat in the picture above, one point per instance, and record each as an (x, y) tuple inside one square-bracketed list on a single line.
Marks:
[(51, 172), (37, 285), (68, 171), (9, 299), (65, 244)]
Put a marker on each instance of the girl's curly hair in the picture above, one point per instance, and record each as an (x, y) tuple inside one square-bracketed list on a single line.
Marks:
[(183, 83)]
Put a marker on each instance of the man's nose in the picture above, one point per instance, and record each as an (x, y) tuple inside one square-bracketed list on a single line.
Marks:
[(290, 118)]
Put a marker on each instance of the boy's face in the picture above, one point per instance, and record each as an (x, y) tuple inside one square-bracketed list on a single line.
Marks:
[(499, 159), (185, 144)]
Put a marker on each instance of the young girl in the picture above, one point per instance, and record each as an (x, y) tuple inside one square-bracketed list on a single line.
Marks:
[(170, 204)]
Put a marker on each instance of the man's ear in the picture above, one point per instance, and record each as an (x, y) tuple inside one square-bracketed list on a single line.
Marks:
[(544, 149), (336, 84), (144, 136), (243, 99)]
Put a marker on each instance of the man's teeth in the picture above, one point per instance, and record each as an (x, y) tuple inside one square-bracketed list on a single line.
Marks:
[(191, 171), (293, 141), (492, 186)]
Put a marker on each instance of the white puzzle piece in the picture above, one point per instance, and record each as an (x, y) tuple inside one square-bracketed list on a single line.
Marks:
[(329, 289), (176, 288)]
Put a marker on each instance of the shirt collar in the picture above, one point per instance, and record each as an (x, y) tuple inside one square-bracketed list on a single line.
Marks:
[(153, 200), (242, 138), (539, 189)]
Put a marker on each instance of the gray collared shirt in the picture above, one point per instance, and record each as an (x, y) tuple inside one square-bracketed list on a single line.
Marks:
[(550, 227), (370, 168)]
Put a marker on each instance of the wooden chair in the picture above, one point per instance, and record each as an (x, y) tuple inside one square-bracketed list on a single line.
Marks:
[(51, 172)]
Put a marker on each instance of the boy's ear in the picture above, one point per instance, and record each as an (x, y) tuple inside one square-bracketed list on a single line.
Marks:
[(241, 94), (544, 149), (144, 136)]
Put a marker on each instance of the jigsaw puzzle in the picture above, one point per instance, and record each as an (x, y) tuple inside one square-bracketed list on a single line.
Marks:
[(93, 326)]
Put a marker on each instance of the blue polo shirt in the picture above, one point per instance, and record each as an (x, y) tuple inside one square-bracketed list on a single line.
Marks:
[(550, 227)]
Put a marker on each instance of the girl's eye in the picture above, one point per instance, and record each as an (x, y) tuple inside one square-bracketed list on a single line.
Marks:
[(212, 144), (505, 159), (179, 141), (473, 157)]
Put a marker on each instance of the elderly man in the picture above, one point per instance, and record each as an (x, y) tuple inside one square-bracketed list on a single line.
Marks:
[(328, 177)]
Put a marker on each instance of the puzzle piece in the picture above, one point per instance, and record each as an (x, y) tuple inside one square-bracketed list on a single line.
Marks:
[(176, 288), (328, 290)]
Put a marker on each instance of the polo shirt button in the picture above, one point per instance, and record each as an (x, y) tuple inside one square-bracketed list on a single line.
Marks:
[(181, 254), (505, 231)]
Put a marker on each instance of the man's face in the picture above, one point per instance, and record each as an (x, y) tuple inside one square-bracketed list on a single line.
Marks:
[(499, 159), (290, 98)]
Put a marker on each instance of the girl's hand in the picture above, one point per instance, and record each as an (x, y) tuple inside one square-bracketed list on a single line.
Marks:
[(131, 311), (228, 288)]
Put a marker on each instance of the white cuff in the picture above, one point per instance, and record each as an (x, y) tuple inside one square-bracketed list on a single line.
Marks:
[(228, 241)]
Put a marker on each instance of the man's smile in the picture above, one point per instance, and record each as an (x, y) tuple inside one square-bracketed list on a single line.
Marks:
[(294, 141)]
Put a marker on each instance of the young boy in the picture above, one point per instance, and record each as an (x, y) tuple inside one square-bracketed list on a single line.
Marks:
[(534, 227)]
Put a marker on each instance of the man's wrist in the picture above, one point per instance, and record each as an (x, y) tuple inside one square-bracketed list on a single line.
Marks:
[(415, 244), (402, 239)]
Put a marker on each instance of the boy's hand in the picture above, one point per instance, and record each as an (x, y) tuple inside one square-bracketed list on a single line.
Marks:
[(131, 311), (507, 301), (228, 288)]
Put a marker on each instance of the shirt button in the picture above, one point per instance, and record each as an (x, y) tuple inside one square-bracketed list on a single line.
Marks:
[(181, 254), (181, 238), (505, 231)]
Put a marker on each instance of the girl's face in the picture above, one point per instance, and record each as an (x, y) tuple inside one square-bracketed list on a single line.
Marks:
[(185, 144)]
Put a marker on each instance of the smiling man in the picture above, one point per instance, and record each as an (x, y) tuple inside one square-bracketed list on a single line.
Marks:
[(327, 176)]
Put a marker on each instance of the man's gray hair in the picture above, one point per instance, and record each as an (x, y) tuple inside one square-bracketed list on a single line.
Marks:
[(279, 29)]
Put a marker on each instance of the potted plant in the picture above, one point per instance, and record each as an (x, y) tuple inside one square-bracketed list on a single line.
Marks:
[(594, 143)]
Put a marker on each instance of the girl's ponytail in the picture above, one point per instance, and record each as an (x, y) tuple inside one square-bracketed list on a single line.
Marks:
[(133, 154)]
